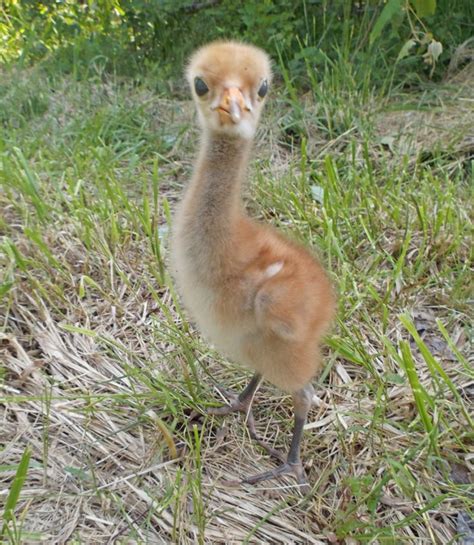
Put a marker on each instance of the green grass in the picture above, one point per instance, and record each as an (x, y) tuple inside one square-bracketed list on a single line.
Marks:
[(12, 530), (101, 369)]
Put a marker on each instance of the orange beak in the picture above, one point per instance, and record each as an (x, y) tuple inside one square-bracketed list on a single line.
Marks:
[(231, 105)]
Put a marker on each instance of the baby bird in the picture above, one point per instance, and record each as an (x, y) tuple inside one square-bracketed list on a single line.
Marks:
[(264, 301)]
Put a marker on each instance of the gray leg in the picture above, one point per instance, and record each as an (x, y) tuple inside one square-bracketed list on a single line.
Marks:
[(302, 403), (241, 402), (302, 400)]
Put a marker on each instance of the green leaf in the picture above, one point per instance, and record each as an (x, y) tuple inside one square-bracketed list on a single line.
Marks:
[(393, 378), (424, 7), (15, 489), (81, 330), (420, 395), (392, 7), (317, 192), (5, 288), (405, 50), (433, 365)]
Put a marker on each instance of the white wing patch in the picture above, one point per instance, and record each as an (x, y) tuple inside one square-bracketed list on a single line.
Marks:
[(273, 269)]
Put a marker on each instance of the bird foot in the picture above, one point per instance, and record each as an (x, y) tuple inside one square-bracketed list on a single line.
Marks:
[(236, 404), (297, 470)]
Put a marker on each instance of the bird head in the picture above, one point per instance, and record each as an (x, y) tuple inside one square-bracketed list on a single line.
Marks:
[(229, 82)]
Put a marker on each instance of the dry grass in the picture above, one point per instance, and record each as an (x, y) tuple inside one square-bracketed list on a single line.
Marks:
[(438, 122), (100, 370)]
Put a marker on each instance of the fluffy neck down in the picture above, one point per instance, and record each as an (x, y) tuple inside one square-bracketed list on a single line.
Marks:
[(212, 204), (217, 180)]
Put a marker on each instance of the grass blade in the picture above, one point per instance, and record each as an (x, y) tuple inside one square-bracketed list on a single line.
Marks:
[(15, 489), (434, 366), (420, 395)]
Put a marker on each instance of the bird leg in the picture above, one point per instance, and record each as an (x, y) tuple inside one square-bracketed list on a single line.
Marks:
[(292, 466), (243, 403)]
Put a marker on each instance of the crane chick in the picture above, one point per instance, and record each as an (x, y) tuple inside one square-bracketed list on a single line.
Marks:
[(263, 300)]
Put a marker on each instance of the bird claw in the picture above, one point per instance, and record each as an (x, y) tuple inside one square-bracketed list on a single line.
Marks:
[(237, 405), (231, 483), (234, 405), (270, 450), (297, 470), (286, 468), (225, 392)]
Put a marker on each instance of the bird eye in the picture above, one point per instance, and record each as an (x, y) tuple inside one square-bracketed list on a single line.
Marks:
[(263, 89), (200, 87)]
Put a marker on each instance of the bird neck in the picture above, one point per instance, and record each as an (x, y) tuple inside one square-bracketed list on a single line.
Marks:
[(208, 220), (217, 181)]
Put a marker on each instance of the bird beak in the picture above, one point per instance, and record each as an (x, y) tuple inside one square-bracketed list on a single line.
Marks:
[(231, 105)]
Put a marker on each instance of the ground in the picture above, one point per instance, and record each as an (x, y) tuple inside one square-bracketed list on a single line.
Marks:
[(101, 370)]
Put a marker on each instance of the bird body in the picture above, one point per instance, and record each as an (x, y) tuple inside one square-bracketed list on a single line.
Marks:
[(258, 298), (262, 300)]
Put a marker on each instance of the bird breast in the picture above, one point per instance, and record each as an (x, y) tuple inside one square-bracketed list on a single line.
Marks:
[(202, 303)]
